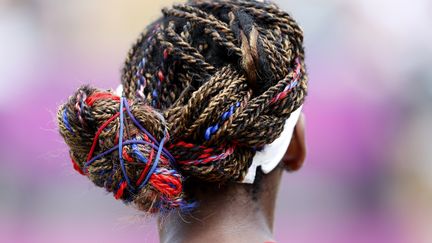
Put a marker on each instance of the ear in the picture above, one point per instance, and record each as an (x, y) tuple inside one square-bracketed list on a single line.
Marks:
[(296, 152)]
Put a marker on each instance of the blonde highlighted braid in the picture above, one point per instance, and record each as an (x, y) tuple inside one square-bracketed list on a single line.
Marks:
[(204, 87)]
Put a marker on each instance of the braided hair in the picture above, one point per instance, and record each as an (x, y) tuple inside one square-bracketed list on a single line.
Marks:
[(204, 87)]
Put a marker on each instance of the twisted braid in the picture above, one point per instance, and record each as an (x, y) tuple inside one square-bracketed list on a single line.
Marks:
[(204, 87)]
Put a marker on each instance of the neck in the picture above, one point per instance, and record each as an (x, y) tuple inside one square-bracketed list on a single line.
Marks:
[(232, 214)]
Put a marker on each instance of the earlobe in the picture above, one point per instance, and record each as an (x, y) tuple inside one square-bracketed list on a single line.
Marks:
[(296, 152)]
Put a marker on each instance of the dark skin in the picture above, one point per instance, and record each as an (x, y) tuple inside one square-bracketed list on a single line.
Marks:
[(231, 214)]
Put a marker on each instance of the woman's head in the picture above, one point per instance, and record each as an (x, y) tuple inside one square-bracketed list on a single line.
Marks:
[(204, 88)]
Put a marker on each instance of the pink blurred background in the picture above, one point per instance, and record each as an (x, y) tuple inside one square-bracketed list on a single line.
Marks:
[(368, 175)]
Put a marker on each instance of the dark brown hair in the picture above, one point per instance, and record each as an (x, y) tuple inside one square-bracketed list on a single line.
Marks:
[(204, 87)]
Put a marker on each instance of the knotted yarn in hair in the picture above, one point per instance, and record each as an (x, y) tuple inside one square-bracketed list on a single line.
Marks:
[(206, 86), (110, 144)]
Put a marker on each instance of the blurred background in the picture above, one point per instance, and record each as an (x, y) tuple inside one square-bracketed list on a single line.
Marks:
[(368, 175)]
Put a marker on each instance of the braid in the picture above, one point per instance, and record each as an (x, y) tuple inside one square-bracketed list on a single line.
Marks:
[(204, 87)]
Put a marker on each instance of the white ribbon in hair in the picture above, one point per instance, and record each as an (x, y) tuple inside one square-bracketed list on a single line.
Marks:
[(270, 156)]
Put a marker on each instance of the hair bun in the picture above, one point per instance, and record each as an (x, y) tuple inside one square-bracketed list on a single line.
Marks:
[(119, 145)]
